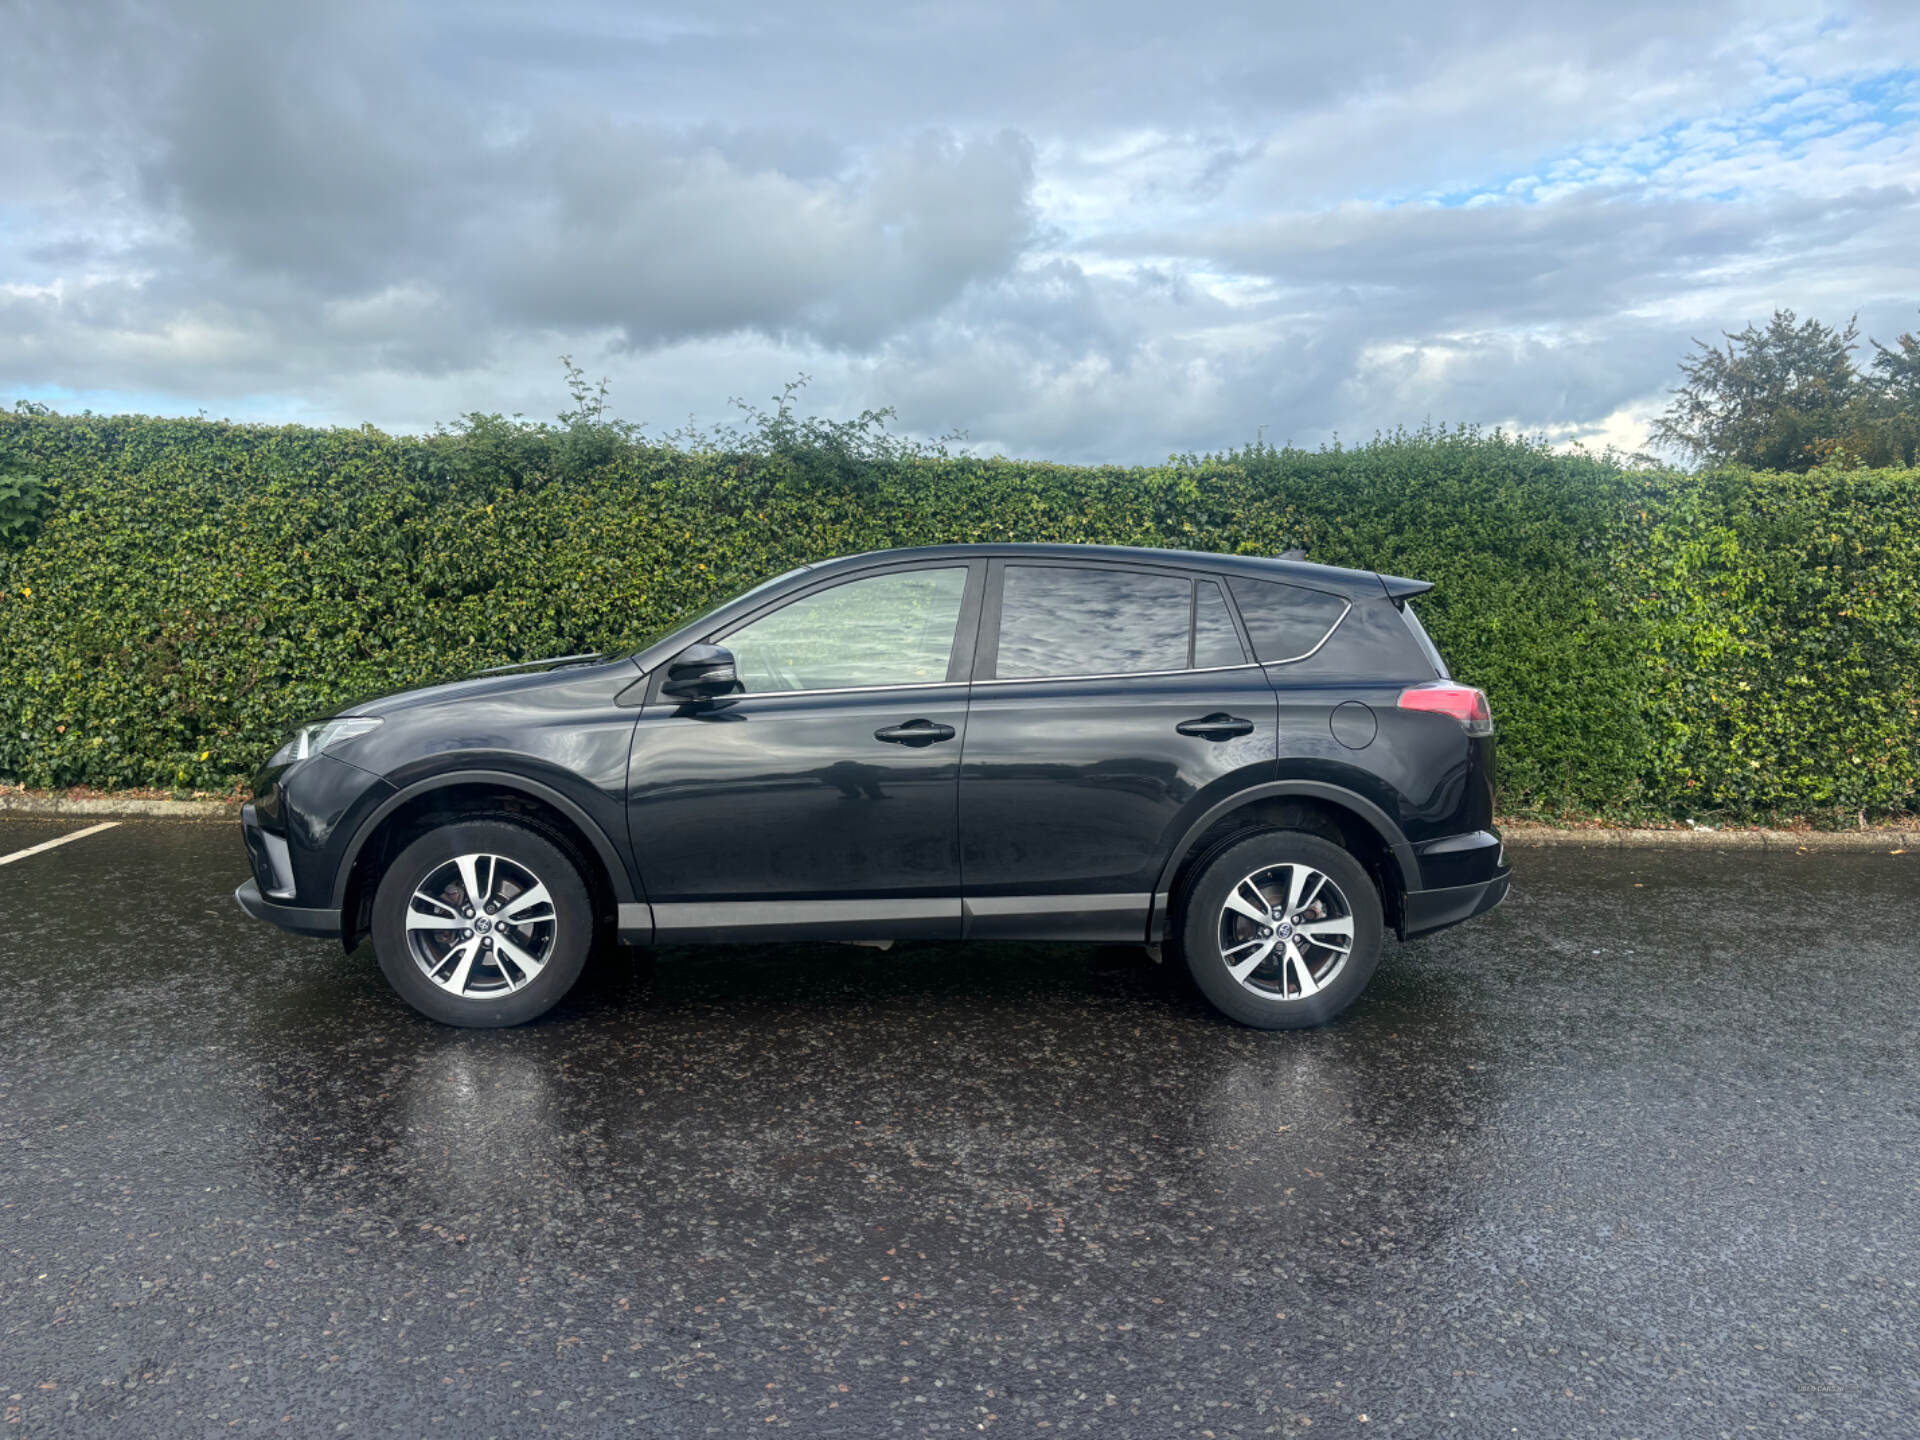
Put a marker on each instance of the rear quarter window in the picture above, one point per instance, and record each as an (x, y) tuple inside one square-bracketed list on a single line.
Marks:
[(1285, 622), (1373, 642)]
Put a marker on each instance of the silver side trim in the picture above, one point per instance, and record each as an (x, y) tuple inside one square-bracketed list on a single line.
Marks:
[(848, 919), (1129, 674), (1015, 680), (986, 906), (807, 919), (847, 690), (1083, 919), (722, 913)]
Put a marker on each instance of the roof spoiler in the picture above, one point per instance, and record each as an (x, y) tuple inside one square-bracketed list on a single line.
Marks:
[(1399, 588)]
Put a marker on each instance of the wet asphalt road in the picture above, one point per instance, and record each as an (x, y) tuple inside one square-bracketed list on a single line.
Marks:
[(1637, 1155)]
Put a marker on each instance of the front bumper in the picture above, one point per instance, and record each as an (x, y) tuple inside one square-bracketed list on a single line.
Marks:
[(1424, 911), (294, 918), (295, 831)]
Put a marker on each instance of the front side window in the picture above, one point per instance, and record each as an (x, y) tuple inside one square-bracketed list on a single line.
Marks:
[(1073, 620), (892, 629)]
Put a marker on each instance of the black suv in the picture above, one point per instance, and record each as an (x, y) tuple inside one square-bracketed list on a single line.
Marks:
[(1261, 763)]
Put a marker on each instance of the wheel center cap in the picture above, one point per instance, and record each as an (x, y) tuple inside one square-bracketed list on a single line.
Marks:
[(482, 923), (1285, 929)]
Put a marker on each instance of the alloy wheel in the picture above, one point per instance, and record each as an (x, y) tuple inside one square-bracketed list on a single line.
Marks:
[(1285, 932), (481, 926)]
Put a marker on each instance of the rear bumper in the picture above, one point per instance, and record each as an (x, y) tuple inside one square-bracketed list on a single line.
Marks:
[(322, 923), (1424, 911)]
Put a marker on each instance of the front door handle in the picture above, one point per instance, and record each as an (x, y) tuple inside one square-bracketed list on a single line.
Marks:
[(917, 733), (1218, 726)]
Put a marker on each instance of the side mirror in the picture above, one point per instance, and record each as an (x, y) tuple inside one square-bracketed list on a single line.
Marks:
[(700, 672)]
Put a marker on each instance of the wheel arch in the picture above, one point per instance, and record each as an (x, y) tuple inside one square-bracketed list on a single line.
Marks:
[(443, 797), (1317, 806)]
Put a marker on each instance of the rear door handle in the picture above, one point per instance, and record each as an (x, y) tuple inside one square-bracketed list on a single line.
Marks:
[(1218, 726), (917, 733)]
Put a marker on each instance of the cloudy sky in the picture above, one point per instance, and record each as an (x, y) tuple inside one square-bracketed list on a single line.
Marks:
[(1079, 231)]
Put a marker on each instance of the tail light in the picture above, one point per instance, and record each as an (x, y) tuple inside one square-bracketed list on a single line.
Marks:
[(1463, 702)]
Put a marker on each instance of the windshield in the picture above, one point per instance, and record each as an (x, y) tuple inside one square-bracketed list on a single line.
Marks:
[(660, 632)]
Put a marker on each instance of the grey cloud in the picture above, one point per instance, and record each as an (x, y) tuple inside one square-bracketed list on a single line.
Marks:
[(354, 183), (665, 246), (1093, 232), (1551, 316), (281, 165), (308, 149), (1591, 253)]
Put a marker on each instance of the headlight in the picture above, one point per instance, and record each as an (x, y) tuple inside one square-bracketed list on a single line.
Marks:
[(310, 740)]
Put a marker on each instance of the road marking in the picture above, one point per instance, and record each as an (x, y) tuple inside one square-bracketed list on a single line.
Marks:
[(49, 844)]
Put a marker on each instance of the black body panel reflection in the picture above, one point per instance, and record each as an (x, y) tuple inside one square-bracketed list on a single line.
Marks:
[(1082, 786), (1422, 770), (764, 798)]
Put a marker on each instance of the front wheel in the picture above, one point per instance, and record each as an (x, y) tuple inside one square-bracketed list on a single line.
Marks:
[(482, 923), (1282, 930)]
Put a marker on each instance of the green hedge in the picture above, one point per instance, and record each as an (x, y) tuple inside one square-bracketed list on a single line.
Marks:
[(1727, 644), (1782, 671)]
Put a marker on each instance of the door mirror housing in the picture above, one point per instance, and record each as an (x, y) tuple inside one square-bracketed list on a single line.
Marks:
[(701, 672)]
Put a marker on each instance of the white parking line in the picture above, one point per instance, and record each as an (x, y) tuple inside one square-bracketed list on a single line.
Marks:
[(49, 844)]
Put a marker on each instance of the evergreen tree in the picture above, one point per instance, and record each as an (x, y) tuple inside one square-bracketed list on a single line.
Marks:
[(1776, 398)]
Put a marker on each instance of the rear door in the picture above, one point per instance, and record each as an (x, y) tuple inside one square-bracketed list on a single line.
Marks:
[(1107, 699)]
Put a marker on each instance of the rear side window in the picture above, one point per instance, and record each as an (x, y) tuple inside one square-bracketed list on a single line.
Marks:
[(1073, 620), (1215, 642), (1285, 622)]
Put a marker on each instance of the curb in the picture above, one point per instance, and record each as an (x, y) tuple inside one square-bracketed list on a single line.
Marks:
[(1527, 837), (120, 809)]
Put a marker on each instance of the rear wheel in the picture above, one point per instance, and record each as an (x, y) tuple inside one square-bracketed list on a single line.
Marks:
[(1282, 930), (482, 923)]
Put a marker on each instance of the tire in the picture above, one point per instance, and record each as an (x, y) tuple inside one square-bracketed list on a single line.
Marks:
[(1273, 995), (540, 953)]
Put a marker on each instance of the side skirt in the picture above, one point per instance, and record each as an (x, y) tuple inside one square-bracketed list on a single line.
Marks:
[(1094, 918), (729, 921), (1085, 918)]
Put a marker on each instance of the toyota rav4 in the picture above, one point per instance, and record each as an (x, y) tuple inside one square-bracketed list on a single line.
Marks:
[(1261, 764)]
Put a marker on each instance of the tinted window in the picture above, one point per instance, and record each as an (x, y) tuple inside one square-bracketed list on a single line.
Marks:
[(1284, 621), (893, 629), (1373, 643), (1073, 621), (1215, 641)]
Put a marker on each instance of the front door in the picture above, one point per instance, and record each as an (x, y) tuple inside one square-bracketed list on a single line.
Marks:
[(1111, 704), (820, 800)]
